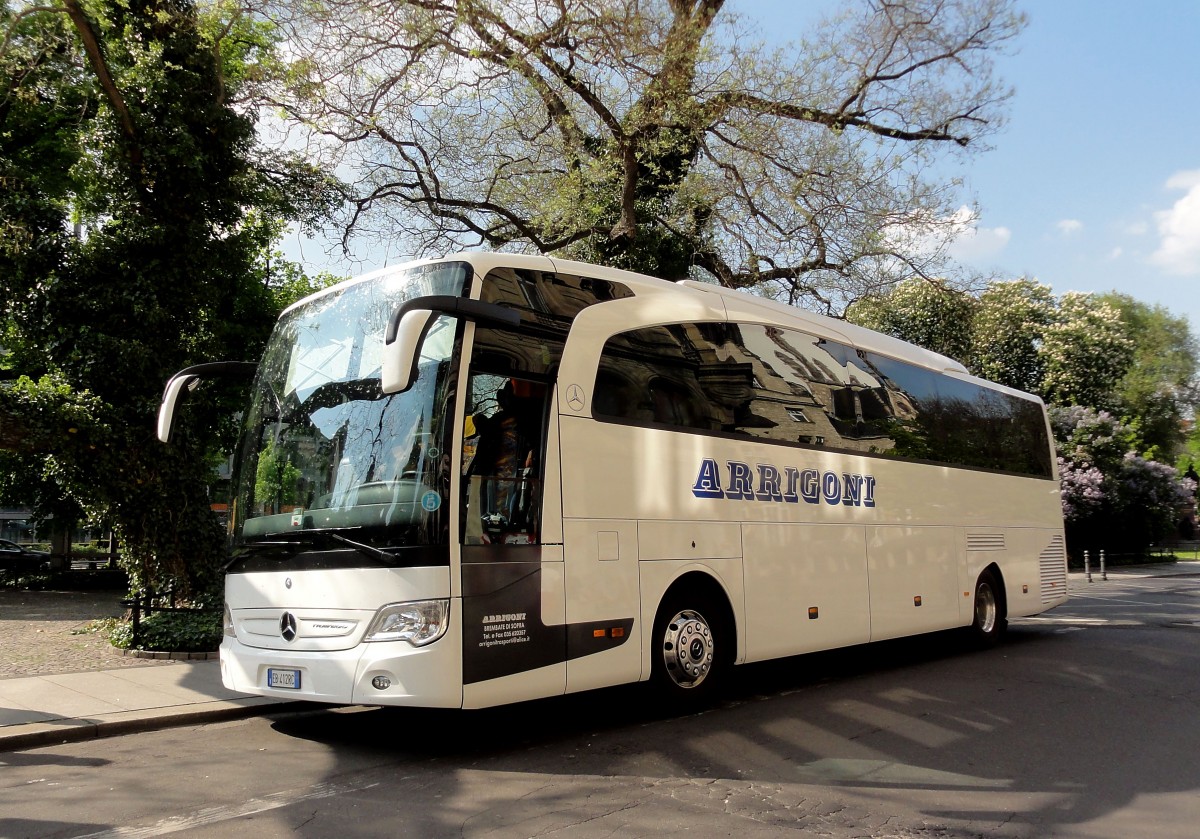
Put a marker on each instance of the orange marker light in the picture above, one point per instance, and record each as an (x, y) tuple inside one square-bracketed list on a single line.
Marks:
[(597, 633), (618, 632), (813, 613), (917, 600)]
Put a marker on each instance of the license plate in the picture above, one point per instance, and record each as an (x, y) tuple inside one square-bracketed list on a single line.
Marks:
[(286, 679)]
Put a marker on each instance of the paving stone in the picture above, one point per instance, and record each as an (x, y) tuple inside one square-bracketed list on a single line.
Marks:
[(36, 633)]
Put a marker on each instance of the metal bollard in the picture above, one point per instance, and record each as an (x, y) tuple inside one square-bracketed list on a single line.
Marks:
[(1087, 566), (1103, 570)]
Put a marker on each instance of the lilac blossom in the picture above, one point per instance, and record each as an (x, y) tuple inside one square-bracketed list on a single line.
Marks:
[(1152, 485), (1082, 489)]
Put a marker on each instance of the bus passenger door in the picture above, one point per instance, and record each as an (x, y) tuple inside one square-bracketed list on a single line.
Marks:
[(514, 642)]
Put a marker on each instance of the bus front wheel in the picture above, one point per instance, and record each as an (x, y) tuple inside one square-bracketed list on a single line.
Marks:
[(692, 649), (990, 619)]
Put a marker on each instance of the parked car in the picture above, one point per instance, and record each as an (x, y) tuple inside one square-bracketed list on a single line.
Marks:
[(14, 557)]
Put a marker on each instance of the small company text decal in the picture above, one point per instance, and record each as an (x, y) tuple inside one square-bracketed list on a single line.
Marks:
[(505, 629)]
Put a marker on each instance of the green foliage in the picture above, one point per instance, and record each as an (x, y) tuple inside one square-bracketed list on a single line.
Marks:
[(1191, 453), (1086, 436), (134, 247), (923, 312), (1112, 497), (185, 632), (1005, 333), (1086, 352), (654, 135), (290, 284), (1161, 389), (1070, 350), (1086, 355)]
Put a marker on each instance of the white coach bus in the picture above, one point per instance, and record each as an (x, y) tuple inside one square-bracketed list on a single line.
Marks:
[(489, 478)]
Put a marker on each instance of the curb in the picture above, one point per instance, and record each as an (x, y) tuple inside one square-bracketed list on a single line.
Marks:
[(58, 732), (166, 656)]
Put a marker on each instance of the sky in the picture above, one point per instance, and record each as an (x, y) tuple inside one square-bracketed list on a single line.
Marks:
[(1093, 186), (1095, 183)]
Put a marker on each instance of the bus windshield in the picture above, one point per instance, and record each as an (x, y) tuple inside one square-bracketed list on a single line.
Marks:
[(323, 448)]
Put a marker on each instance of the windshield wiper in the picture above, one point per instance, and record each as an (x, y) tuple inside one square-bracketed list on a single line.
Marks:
[(366, 550), (308, 538)]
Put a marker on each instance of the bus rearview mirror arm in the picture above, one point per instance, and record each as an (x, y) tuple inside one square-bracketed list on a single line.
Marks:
[(407, 327), (189, 377)]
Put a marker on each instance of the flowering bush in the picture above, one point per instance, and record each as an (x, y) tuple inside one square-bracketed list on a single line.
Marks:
[(1111, 497), (1084, 435), (1082, 489)]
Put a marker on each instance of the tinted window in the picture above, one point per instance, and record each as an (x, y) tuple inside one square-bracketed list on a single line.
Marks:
[(548, 303), (783, 385)]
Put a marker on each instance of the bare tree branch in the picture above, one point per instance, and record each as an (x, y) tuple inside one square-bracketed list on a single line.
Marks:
[(656, 134)]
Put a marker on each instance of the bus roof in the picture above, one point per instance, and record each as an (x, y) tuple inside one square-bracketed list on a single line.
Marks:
[(737, 304)]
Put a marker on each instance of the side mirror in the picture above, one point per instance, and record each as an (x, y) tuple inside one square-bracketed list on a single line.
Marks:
[(166, 410), (401, 351), (409, 324), (189, 377)]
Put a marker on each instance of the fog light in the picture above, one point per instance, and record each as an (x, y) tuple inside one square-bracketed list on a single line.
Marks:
[(381, 683)]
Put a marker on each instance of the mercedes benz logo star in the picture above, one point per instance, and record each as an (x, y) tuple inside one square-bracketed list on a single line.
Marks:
[(287, 626), (575, 397)]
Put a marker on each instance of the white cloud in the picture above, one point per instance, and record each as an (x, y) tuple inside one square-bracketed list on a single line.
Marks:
[(1115, 253), (957, 236), (1184, 179), (1137, 228), (1069, 225), (975, 244), (1179, 228)]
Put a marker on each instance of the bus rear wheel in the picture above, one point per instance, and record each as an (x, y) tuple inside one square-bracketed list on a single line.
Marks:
[(692, 649), (990, 621)]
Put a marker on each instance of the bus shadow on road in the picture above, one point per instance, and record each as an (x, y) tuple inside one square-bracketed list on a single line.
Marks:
[(1053, 727), (422, 732)]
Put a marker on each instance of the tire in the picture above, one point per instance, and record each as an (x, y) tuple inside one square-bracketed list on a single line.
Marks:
[(990, 619), (693, 649)]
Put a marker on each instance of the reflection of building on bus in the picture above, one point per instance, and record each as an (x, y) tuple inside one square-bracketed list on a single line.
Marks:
[(764, 382), (571, 477)]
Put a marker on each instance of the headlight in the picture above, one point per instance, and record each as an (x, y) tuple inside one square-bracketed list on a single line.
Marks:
[(227, 622), (419, 623)]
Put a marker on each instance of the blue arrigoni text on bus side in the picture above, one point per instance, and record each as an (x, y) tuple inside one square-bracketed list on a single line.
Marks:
[(765, 482)]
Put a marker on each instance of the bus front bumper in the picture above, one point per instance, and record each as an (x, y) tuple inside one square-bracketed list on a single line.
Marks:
[(376, 673)]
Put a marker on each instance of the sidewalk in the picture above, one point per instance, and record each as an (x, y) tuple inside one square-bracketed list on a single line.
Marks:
[(60, 683), (44, 710), (1180, 568)]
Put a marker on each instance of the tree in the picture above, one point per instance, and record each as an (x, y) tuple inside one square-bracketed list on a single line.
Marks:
[(1161, 390), (655, 134), (129, 254), (1006, 333), (1112, 497), (1086, 352), (276, 478), (923, 312)]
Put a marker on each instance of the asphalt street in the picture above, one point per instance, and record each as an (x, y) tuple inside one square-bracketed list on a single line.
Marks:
[(1083, 724)]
